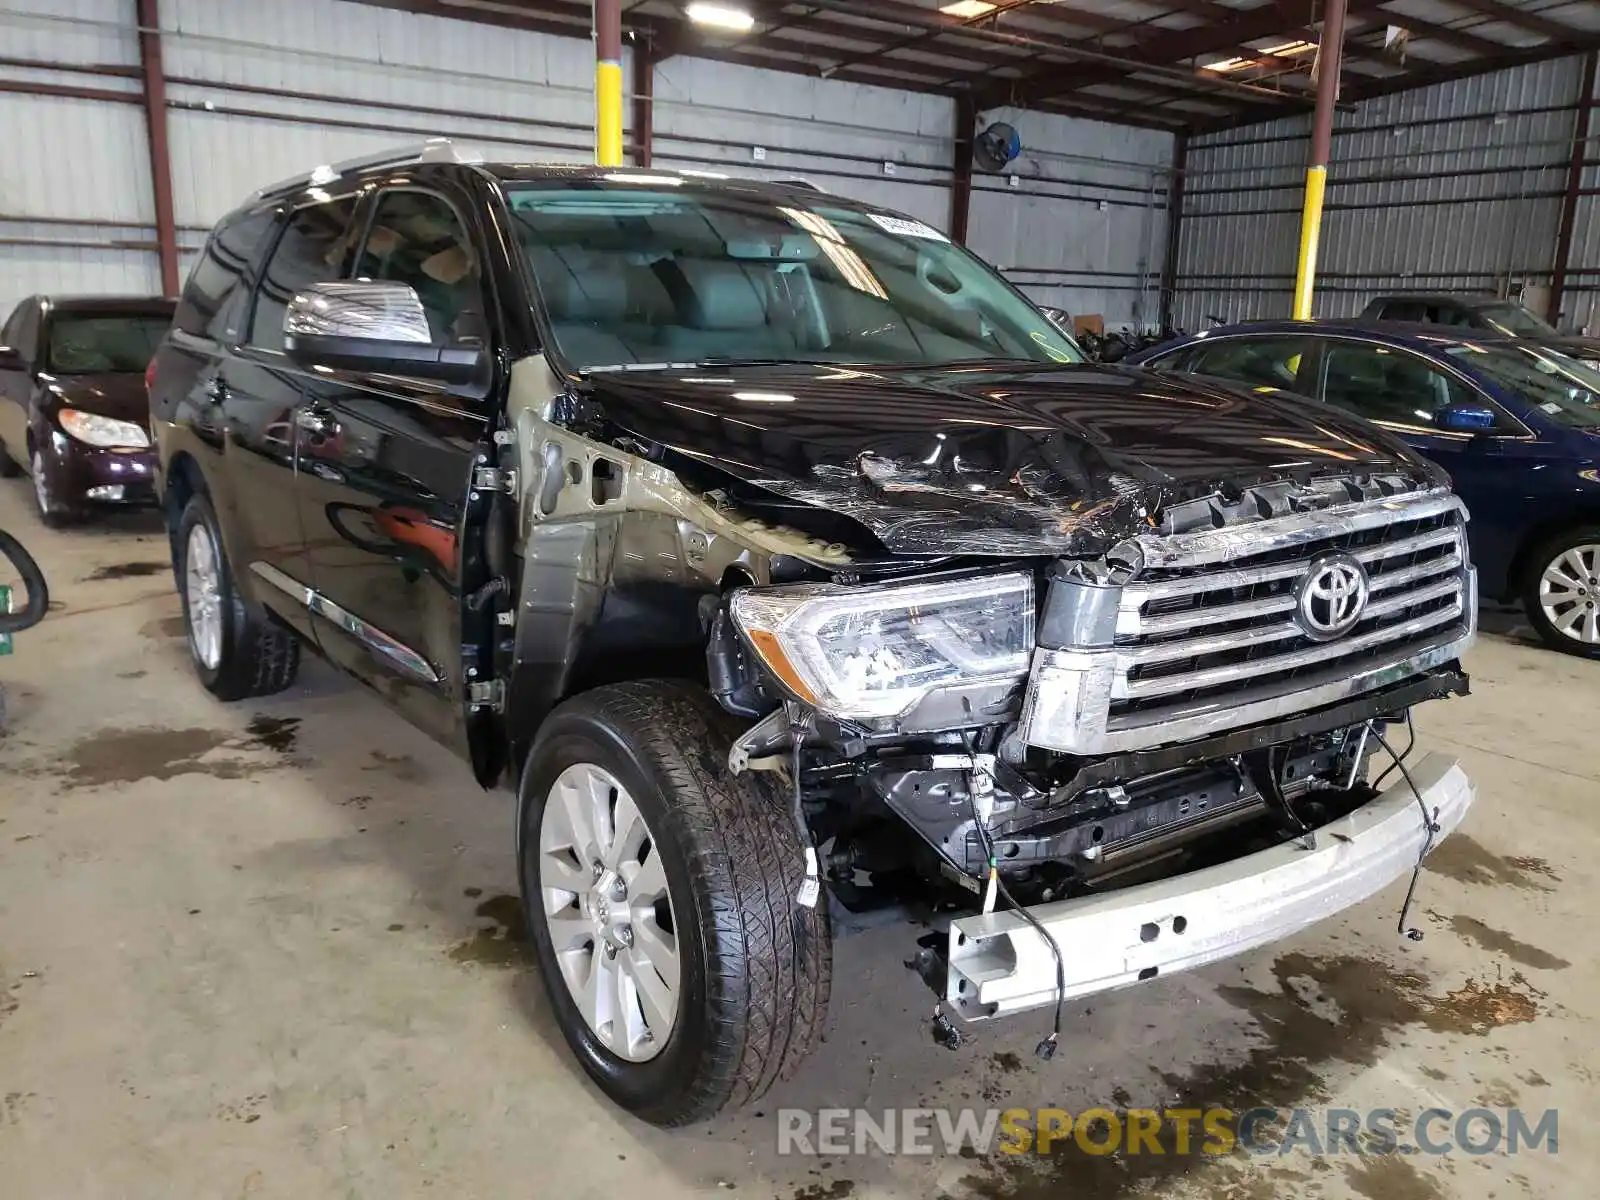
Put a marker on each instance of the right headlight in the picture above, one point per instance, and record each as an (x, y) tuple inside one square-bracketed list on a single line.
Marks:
[(873, 652)]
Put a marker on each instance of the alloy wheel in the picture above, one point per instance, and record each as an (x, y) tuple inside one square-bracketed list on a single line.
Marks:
[(605, 901), (203, 593), (41, 486), (1569, 593)]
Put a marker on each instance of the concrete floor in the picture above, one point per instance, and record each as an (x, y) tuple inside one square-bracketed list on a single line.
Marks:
[(271, 950)]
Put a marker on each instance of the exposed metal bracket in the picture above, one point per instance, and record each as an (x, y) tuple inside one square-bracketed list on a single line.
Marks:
[(490, 694), (493, 479)]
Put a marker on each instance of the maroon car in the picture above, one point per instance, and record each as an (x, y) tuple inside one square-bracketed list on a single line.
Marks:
[(73, 410)]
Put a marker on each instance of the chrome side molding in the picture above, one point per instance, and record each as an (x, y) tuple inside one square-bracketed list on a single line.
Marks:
[(388, 648)]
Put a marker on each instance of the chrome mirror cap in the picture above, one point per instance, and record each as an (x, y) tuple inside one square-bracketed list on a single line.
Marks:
[(373, 310)]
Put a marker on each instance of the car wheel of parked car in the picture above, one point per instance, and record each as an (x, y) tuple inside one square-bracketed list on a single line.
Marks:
[(661, 894), (9, 468), (50, 509), (1562, 591), (236, 654)]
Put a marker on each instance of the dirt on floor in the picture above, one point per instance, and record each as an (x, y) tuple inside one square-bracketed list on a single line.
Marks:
[(275, 950)]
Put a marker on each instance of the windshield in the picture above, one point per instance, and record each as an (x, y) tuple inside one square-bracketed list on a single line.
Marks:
[(1562, 388), (636, 277), (89, 343), (1516, 320)]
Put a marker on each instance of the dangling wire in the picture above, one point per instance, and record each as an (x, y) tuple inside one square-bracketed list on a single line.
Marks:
[(1430, 826), (1046, 1049)]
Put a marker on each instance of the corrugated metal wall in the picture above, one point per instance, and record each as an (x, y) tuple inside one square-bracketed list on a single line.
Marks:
[(1456, 187), (1084, 228), (1582, 297), (76, 212), (259, 91)]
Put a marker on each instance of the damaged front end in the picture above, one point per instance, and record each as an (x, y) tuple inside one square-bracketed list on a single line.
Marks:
[(1123, 765)]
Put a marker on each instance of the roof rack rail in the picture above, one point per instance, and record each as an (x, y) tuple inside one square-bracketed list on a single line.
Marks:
[(798, 181), (434, 150)]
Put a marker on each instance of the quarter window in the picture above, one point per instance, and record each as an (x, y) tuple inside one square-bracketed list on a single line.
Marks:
[(214, 281), (416, 238), (313, 249)]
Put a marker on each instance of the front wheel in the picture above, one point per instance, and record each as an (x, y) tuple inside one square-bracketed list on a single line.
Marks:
[(660, 892), (53, 512), (1561, 593)]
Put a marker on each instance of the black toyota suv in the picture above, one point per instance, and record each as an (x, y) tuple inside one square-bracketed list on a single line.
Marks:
[(787, 561)]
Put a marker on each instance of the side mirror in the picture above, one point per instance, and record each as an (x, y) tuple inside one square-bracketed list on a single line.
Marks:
[(1060, 318), (1468, 418), (11, 359), (372, 326)]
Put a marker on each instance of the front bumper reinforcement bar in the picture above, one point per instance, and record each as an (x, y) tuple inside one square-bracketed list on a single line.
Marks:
[(998, 964)]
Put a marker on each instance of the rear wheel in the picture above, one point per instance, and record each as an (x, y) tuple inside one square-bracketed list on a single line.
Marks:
[(236, 654), (1561, 593), (660, 893)]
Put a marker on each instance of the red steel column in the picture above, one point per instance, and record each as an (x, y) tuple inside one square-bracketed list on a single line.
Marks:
[(155, 116), (644, 102), (961, 169), (1583, 125)]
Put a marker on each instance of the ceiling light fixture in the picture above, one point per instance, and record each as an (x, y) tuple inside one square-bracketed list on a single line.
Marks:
[(720, 16), (967, 10), (1290, 50)]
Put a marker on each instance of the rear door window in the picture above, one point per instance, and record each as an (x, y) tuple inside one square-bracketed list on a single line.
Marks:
[(1272, 362), (314, 248), (1402, 310), (209, 306)]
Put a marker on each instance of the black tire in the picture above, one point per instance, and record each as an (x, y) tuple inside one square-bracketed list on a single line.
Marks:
[(9, 467), (53, 513), (34, 587), (756, 965), (1539, 559), (258, 658)]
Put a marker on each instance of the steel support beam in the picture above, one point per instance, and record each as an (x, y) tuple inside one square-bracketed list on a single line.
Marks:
[(608, 82), (154, 79), (961, 169), (1169, 265), (645, 56), (1329, 54), (1582, 126)]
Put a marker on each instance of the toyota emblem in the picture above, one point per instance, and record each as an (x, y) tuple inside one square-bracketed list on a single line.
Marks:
[(1332, 597)]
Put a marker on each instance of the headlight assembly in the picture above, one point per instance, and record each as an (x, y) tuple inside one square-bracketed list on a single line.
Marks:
[(868, 653), (104, 432)]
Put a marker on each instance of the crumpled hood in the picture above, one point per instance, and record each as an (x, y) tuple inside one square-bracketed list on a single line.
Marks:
[(1019, 459), (120, 395)]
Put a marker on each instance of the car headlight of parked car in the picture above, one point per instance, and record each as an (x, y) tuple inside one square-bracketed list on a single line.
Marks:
[(875, 652), (104, 432)]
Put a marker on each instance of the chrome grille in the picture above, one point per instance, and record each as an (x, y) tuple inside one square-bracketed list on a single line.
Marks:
[(1187, 635), (1205, 637)]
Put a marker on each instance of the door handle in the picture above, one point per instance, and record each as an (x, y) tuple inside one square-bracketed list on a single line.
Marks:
[(215, 391), (316, 421)]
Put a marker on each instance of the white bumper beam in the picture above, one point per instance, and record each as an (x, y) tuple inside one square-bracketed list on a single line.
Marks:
[(1000, 965)]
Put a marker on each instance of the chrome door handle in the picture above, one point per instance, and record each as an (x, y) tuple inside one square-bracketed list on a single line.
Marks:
[(315, 421), (214, 391)]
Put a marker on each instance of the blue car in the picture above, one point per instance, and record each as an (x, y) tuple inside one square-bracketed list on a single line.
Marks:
[(1516, 426)]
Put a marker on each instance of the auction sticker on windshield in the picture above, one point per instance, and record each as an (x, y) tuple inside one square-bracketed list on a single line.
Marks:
[(905, 227)]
